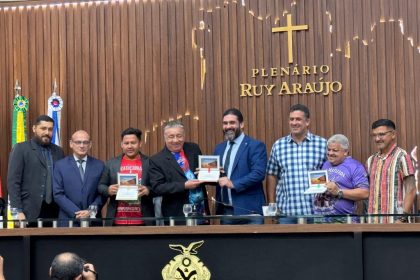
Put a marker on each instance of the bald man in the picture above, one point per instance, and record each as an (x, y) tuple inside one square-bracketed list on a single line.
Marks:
[(76, 179), (70, 266)]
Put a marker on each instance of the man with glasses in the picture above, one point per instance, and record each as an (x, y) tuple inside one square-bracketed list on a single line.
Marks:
[(391, 175), (29, 177), (76, 180)]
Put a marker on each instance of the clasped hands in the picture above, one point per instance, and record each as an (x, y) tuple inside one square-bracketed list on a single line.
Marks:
[(142, 190), (223, 181)]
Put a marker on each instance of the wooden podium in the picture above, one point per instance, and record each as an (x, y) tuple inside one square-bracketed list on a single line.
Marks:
[(347, 251)]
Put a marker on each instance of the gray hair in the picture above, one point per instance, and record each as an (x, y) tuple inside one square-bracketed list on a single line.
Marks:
[(339, 139), (173, 124)]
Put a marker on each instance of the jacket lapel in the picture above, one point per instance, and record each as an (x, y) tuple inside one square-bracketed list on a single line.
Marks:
[(75, 167), (38, 152), (87, 170), (241, 151), (171, 160)]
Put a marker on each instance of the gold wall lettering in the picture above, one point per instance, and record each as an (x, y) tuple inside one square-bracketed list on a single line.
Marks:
[(320, 86)]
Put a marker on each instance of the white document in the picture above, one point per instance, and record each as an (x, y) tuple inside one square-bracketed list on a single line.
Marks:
[(209, 175), (317, 180), (209, 168), (127, 193)]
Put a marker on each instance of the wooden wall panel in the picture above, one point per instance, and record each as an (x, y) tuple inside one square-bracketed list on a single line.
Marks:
[(138, 63)]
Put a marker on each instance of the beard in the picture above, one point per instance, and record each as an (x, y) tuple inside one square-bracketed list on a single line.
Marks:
[(231, 134), (41, 142)]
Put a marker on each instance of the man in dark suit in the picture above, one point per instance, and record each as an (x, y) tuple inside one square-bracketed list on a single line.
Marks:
[(29, 177), (131, 161), (76, 179), (240, 190), (171, 173)]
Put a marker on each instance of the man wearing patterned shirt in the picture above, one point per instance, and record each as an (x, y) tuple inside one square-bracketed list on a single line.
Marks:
[(291, 158), (391, 175)]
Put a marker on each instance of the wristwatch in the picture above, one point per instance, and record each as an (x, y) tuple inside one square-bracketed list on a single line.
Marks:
[(340, 194)]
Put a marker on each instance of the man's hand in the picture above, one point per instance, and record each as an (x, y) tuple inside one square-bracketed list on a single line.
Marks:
[(113, 189), (1, 268), (142, 190), (89, 272), (21, 216), (225, 182), (82, 214), (192, 184), (332, 188)]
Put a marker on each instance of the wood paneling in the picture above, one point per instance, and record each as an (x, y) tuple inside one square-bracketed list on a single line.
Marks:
[(137, 63)]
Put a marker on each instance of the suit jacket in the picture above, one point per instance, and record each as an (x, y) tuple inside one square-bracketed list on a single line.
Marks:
[(110, 177), (70, 192), (168, 180), (248, 173), (27, 175)]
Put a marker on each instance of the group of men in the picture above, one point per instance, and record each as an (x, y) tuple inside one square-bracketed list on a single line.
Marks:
[(44, 184)]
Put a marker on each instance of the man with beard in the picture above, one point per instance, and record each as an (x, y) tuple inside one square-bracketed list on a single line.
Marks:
[(172, 174), (391, 175), (29, 177), (131, 161), (290, 160), (347, 182), (240, 190)]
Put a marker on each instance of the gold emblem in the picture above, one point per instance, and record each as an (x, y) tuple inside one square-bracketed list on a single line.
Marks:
[(186, 266)]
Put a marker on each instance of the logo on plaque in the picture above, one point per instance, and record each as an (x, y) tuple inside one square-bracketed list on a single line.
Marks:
[(186, 266)]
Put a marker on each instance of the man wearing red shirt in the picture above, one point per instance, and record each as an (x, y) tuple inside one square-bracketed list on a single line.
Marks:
[(131, 161)]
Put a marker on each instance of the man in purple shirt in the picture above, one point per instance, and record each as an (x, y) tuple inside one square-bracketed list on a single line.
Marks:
[(347, 181)]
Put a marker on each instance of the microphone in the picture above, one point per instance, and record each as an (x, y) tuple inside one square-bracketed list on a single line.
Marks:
[(235, 207)]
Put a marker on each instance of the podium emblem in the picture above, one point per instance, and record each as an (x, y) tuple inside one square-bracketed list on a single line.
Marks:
[(186, 266)]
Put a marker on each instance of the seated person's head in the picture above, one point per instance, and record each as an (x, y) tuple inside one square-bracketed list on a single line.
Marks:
[(66, 266)]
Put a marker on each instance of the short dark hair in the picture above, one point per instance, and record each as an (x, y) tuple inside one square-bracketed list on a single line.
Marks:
[(66, 266), (43, 118), (131, 131), (300, 107), (235, 112), (383, 122)]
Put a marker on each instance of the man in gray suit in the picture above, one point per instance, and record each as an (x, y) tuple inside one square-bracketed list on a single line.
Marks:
[(29, 177), (131, 161)]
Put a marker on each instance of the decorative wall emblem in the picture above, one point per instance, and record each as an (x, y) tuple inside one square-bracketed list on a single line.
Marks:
[(186, 266)]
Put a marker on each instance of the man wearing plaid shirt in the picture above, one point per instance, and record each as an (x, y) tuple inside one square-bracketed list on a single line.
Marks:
[(291, 158)]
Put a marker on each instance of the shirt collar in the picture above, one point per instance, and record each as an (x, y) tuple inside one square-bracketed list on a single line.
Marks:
[(308, 137), (238, 140), (76, 158), (391, 151)]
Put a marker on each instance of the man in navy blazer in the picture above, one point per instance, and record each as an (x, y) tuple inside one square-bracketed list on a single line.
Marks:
[(76, 179), (240, 190)]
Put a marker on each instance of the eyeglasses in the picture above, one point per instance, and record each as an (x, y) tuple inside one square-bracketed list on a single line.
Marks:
[(78, 143), (380, 134)]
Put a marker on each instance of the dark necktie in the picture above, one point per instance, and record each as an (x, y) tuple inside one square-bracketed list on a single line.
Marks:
[(225, 195), (81, 170), (48, 184)]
